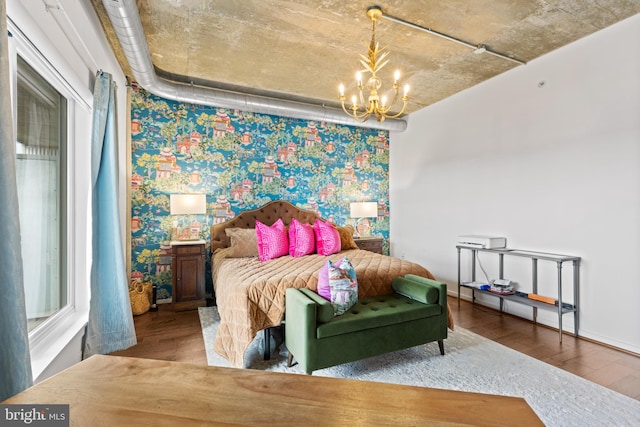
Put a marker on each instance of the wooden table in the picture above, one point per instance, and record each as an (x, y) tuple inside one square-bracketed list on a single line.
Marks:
[(122, 391)]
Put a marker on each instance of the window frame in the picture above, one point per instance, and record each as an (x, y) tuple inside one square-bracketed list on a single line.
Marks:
[(48, 340), (28, 79)]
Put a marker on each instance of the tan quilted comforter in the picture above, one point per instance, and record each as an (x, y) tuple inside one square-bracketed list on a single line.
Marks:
[(250, 293)]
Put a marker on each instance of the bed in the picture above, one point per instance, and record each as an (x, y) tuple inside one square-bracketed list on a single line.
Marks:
[(250, 293)]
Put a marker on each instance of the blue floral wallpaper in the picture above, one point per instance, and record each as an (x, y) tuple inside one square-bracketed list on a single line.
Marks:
[(242, 160)]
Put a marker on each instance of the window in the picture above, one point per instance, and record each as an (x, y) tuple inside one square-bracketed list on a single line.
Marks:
[(41, 178), (52, 101)]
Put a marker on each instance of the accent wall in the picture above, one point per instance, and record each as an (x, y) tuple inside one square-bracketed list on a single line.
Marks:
[(242, 160)]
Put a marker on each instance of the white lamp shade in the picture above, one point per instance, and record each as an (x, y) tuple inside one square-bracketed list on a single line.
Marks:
[(364, 209), (185, 204)]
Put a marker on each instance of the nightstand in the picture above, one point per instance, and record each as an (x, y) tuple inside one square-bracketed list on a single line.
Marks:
[(372, 244), (187, 271)]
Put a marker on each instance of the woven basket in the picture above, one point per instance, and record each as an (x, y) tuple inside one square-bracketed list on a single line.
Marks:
[(140, 297)]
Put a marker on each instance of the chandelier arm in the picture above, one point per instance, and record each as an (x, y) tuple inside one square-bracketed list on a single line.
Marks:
[(395, 98), (395, 116), (354, 115), (360, 117)]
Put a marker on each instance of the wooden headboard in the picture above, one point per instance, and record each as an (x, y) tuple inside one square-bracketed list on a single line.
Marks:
[(266, 214)]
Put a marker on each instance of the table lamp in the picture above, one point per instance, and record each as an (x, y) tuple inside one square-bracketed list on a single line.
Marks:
[(187, 204), (360, 211)]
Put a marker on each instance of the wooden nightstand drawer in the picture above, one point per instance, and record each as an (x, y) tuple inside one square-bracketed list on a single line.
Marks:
[(372, 244), (196, 249)]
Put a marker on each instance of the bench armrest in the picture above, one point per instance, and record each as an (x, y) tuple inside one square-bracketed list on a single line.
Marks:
[(418, 288), (299, 308), (442, 298), (300, 322)]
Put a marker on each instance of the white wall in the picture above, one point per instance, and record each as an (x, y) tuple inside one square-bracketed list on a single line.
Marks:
[(69, 36), (553, 168)]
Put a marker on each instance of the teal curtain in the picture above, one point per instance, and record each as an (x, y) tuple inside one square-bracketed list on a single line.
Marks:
[(15, 361), (110, 327)]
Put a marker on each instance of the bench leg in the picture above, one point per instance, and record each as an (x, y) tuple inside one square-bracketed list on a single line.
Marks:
[(289, 359), (267, 344), (441, 345)]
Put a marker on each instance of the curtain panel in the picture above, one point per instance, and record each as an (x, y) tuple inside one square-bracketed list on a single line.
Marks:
[(15, 360), (110, 327)]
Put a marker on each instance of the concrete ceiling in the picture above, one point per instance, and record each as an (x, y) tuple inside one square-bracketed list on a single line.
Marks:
[(302, 50)]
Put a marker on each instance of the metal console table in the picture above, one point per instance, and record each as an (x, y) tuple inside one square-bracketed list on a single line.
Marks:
[(561, 307)]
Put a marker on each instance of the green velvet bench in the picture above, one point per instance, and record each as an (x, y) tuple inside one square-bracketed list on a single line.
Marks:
[(416, 313)]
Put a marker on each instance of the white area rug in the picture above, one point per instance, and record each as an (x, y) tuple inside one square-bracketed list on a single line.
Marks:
[(471, 363)]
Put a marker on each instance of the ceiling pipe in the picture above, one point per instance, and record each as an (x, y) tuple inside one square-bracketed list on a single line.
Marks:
[(476, 48), (125, 19)]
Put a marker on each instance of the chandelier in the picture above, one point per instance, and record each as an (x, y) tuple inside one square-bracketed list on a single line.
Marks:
[(373, 63)]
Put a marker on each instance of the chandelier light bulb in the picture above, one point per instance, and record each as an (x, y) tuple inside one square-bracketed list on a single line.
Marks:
[(396, 76), (354, 100), (341, 89), (406, 89)]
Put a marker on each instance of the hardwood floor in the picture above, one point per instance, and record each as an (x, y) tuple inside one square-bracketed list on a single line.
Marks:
[(167, 334), (176, 335)]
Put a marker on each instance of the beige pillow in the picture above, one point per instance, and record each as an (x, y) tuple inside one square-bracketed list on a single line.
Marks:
[(346, 237), (243, 242)]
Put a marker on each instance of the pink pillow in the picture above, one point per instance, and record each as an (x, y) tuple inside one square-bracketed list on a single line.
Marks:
[(301, 239), (272, 241), (327, 238)]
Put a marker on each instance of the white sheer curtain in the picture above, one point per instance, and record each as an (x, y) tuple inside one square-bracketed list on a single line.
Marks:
[(37, 176), (37, 172)]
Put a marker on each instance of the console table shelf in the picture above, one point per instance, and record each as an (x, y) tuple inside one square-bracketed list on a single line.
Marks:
[(561, 307)]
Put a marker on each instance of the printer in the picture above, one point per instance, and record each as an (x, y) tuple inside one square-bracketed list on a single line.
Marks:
[(482, 242)]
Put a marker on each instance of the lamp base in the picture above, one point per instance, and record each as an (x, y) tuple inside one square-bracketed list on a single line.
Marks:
[(183, 234), (363, 228)]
